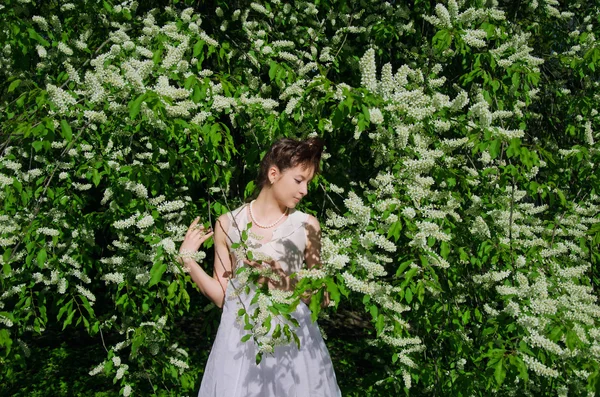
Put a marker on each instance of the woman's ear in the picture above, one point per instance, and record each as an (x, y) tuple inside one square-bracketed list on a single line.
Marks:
[(273, 174)]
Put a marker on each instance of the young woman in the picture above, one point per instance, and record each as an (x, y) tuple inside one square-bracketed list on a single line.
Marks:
[(286, 240)]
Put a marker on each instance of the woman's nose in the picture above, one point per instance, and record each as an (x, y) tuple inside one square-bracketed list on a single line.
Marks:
[(303, 189)]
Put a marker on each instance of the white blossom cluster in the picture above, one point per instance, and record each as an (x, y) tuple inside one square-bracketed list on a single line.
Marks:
[(448, 17)]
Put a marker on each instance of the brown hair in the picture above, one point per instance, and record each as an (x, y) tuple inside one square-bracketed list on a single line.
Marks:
[(288, 153)]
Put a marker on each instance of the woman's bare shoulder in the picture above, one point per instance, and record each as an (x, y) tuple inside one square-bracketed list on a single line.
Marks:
[(312, 221)]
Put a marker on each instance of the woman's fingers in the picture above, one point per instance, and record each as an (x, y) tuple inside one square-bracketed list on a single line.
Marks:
[(201, 232), (206, 236), (196, 228), (194, 223), (250, 263), (254, 264)]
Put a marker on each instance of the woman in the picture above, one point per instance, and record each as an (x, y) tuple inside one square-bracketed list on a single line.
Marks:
[(286, 240)]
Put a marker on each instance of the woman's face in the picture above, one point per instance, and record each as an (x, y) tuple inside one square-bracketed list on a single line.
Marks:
[(291, 185)]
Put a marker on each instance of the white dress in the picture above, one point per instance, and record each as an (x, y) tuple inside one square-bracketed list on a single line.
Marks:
[(231, 370)]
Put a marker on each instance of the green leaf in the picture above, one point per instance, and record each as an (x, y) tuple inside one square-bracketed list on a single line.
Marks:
[(96, 177), (198, 47), (246, 337), (521, 367), (379, 323), (41, 257), (65, 130), (273, 66), (408, 295), (334, 291), (249, 189), (444, 249), (394, 230), (408, 276), (5, 340), (69, 319), (572, 340), (403, 267), (421, 292), (64, 309), (374, 311), (277, 331), (37, 145), (516, 80), (315, 304), (495, 147), (138, 340), (135, 106), (500, 372), (14, 85), (156, 273), (34, 35), (172, 290)]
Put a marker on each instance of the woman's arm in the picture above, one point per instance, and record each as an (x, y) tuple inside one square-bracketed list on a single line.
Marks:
[(213, 287), (312, 252)]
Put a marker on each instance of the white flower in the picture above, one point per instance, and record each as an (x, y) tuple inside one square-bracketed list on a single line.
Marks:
[(41, 21), (375, 116), (475, 37), (480, 228), (48, 231), (62, 47), (170, 206), (588, 134), (116, 278), (368, 70), (121, 371), (145, 222), (97, 369), (178, 363), (261, 9), (41, 51), (125, 223), (409, 212), (87, 293)]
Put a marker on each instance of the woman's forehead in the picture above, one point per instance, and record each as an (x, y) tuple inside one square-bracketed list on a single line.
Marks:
[(305, 170)]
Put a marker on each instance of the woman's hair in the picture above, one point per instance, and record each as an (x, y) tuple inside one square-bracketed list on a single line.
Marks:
[(288, 153)]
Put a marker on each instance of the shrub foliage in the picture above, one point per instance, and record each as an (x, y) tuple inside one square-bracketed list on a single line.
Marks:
[(459, 196)]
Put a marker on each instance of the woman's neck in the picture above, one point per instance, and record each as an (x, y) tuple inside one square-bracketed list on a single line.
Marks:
[(266, 208)]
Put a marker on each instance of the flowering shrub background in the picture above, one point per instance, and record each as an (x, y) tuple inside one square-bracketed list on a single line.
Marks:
[(459, 195)]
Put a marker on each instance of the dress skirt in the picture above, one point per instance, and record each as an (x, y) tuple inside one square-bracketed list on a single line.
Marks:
[(231, 370)]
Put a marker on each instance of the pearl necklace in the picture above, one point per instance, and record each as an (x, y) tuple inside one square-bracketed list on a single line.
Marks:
[(254, 222)]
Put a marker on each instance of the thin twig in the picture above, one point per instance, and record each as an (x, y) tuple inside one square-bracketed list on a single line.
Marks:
[(102, 337), (327, 195)]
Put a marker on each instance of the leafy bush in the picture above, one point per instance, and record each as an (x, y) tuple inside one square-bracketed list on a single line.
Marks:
[(459, 193)]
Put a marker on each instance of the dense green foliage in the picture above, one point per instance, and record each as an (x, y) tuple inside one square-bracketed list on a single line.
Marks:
[(459, 195)]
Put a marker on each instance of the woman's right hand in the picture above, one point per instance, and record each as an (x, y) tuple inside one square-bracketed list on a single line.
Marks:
[(194, 238)]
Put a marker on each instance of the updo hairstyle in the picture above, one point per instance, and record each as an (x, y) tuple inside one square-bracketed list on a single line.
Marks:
[(288, 153)]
